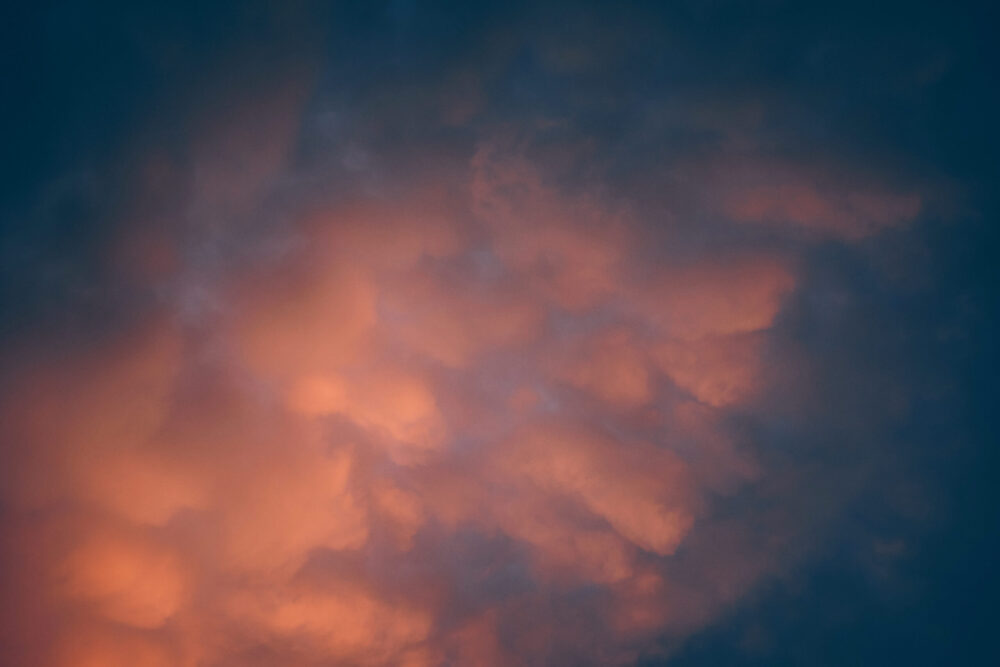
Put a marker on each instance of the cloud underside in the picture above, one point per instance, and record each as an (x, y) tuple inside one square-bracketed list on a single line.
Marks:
[(466, 422)]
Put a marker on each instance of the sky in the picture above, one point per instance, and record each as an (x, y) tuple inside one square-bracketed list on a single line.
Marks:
[(521, 333)]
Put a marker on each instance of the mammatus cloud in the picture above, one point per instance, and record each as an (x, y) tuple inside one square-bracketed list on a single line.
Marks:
[(402, 334), (493, 370), (471, 419)]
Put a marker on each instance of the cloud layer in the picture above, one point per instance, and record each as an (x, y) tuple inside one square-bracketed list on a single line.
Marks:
[(494, 369), (479, 358)]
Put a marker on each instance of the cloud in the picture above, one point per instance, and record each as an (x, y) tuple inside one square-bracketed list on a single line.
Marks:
[(363, 394), (125, 580), (775, 193), (360, 404)]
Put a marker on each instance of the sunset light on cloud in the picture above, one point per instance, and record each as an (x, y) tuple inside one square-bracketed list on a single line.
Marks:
[(481, 350)]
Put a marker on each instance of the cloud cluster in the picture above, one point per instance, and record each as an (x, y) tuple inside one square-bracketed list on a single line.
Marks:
[(446, 402), (490, 368)]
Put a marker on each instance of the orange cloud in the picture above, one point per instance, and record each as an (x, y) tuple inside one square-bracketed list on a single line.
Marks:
[(637, 489), (304, 320), (736, 295), (280, 508), (102, 648), (492, 366), (127, 580), (768, 192), (349, 623), (716, 370), (451, 321), (610, 366)]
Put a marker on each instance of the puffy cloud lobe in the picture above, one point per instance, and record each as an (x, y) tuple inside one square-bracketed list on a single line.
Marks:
[(716, 370), (627, 485), (282, 507), (344, 624), (610, 366), (772, 193), (422, 371), (736, 295), (129, 581)]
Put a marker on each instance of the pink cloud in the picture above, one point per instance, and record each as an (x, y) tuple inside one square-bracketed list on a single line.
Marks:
[(786, 195), (417, 371)]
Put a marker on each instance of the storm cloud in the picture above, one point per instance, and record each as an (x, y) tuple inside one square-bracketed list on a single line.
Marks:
[(418, 334)]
